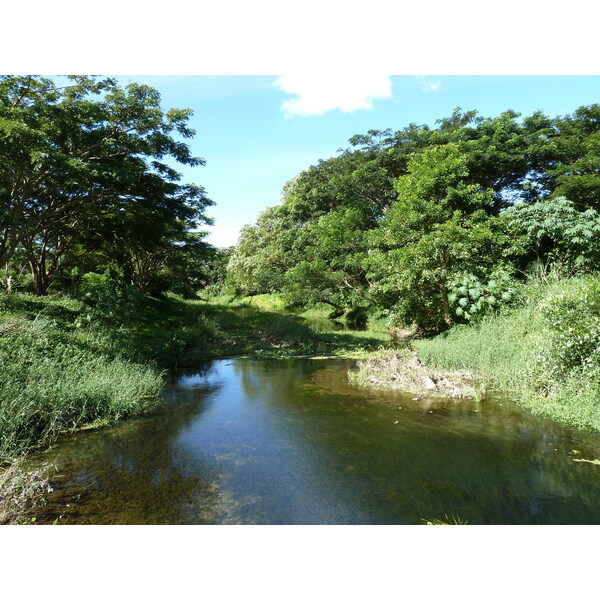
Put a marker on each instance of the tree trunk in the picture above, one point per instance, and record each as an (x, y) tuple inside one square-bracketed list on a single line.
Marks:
[(40, 279), (445, 303), (41, 271)]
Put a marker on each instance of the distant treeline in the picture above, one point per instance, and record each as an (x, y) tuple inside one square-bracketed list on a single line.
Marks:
[(432, 226), (88, 194)]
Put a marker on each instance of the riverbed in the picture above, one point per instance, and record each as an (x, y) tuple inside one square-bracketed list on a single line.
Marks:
[(292, 441)]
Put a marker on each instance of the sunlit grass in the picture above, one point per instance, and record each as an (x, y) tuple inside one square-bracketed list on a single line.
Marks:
[(503, 350)]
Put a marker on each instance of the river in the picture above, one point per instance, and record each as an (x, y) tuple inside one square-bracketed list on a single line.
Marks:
[(291, 441)]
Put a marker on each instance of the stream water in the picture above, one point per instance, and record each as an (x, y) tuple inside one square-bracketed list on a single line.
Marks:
[(291, 441)]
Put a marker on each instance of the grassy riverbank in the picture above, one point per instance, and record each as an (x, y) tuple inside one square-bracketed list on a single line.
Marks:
[(544, 353), (65, 365)]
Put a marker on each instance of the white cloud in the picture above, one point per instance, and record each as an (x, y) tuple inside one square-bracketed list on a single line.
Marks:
[(430, 86), (221, 236), (317, 94)]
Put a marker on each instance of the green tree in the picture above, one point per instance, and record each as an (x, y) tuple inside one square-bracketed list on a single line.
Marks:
[(554, 232), (437, 228), (577, 172), (75, 153), (331, 249), (263, 252)]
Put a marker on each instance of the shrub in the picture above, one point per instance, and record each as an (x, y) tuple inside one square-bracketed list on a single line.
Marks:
[(569, 339), (471, 298), (108, 299)]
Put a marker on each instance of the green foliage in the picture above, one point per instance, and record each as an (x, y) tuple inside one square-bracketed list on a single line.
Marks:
[(568, 342), (389, 222), (262, 255), (543, 352), (108, 300), (84, 177), (437, 229), (217, 279), (471, 298), (558, 234), (576, 173), (56, 377)]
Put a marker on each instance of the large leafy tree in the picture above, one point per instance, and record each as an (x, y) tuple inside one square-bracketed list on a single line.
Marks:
[(554, 232), (329, 252), (77, 153), (264, 253), (577, 170), (437, 228)]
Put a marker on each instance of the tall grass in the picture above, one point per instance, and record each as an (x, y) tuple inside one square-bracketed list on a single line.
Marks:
[(56, 377), (523, 352)]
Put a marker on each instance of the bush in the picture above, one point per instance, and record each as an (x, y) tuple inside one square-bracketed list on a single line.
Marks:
[(108, 299), (570, 334), (471, 298)]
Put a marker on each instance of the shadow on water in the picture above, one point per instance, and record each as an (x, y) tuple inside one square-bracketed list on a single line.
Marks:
[(291, 441)]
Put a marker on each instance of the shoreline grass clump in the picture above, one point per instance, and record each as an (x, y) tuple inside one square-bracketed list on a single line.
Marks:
[(56, 377)]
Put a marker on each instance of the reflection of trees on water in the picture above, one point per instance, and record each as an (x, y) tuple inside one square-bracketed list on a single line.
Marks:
[(487, 462), (135, 472), (292, 441)]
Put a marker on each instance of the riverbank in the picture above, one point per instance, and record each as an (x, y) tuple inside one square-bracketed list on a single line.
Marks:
[(64, 365), (543, 352), (404, 371)]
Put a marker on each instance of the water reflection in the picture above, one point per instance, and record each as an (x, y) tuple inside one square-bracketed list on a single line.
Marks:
[(136, 473), (291, 441)]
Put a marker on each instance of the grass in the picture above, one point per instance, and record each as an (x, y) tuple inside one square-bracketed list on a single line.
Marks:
[(505, 350), (56, 376)]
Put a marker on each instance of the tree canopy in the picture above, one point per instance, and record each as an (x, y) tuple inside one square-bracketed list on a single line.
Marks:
[(394, 222), (88, 167)]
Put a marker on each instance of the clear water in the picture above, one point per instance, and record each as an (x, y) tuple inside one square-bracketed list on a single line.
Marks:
[(293, 442)]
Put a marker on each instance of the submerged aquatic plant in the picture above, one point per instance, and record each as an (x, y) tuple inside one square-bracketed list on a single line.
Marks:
[(20, 490)]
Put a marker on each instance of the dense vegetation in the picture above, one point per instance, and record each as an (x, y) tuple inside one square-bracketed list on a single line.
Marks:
[(484, 231), (87, 186), (543, 352), (67, 365), (93, 212), (107, 281), (398, 221)]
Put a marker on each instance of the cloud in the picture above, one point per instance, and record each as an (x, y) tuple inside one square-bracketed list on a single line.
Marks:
[(317, 94), (430, 86), (221, 236)]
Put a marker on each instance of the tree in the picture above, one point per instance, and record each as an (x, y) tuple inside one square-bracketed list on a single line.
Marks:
[(330, 251), (73, 154), (554, 232), (577, 172), (437, 228), (264, 252)]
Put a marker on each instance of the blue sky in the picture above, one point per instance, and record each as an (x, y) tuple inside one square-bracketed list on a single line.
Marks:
[(257, 132)]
